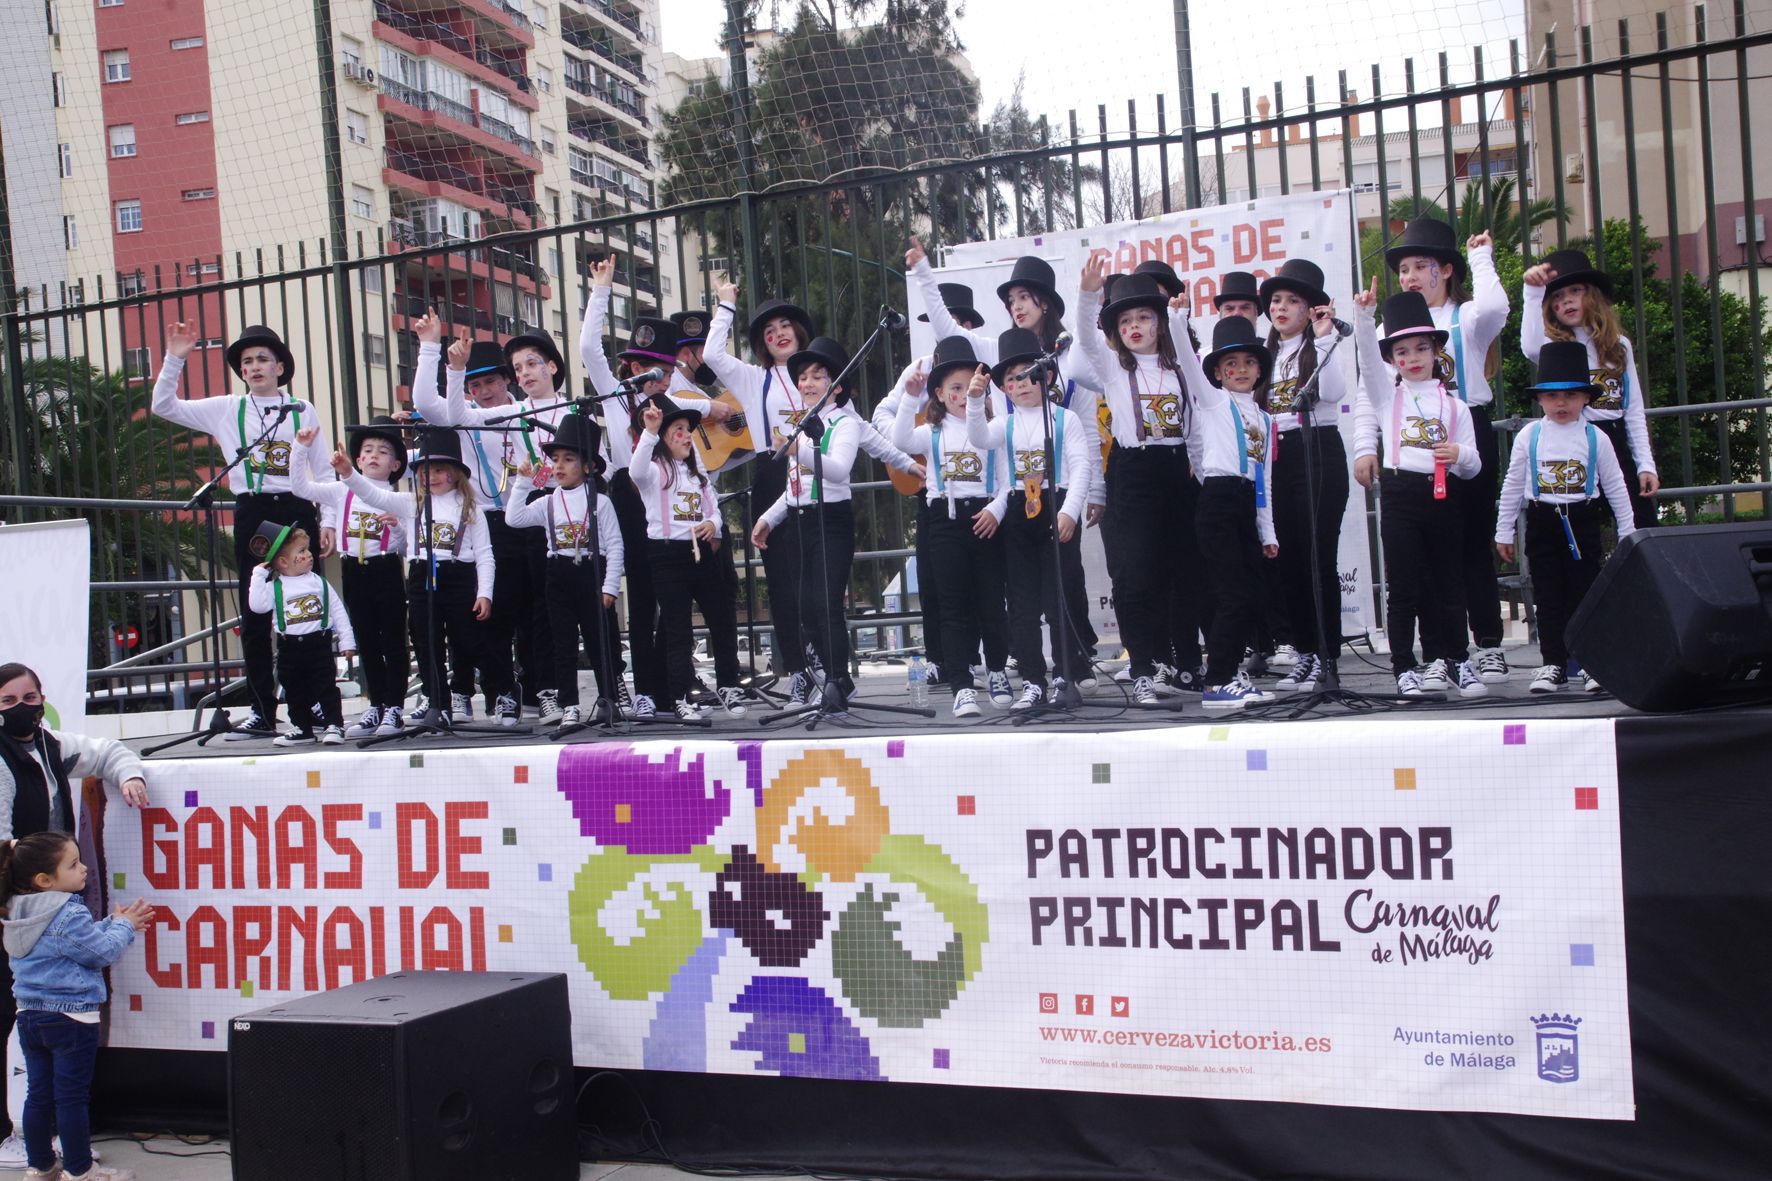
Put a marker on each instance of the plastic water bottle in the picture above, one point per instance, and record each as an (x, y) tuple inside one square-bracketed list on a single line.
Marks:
[(916, 679)]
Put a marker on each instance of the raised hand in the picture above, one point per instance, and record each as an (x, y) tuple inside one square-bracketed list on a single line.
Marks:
[(181, 339), (1478, 240), (603, 272), (429, 327), (1539, 275), (459, 348), (341, 462), (651, 417), (915, 254), (727, 292), (307, 435), (1095, 270), (1367, 299), (914, 384), (981, 381), (1323, 319)]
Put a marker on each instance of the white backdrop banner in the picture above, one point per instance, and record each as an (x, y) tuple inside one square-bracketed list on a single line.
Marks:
[(49, 567), (1201, 245), (1372, 913)]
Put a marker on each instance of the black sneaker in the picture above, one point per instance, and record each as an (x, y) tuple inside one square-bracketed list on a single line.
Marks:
[(253, 726)]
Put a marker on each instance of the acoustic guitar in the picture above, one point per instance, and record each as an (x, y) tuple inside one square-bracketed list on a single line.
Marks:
[(722, 444), (904, 482)]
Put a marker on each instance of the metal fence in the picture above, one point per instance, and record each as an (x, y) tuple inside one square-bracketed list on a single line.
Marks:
[(1525, 153)]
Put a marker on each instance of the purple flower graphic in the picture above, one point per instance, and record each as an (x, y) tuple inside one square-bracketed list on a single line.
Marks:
[(773, 914), (801, 1033), (622, 798)]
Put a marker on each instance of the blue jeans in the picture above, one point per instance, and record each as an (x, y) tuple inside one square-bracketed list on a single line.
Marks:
[(60, 1054)]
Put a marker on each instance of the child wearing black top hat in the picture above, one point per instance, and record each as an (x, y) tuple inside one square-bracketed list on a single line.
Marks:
[(1568, 298), (307, 616), (1559, 469), (1041, 505), (1424, 435), (967, 497), (585, 554), (1468, 302), (371, 550), (260, 482), (450, 568)]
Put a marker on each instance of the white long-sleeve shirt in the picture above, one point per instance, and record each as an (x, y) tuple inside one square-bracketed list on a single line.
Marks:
[(806, 487), (618, 443), (562, 515), (1472, 327), (446, 527), (82, 755), (1566, 455), (492, 456), (1285, 386), (958, 469), (676, 499), (235, 420), (1622, 392), (885, 416), (1408, 417), (361, 534), (309, 605), (1235, 437), (1025, 448)]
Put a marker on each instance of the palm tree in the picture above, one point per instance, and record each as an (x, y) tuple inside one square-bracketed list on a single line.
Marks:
[(1493, 205)]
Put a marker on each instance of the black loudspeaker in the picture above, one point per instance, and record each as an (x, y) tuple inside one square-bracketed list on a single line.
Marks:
[(1682, 618), (417, 1076)]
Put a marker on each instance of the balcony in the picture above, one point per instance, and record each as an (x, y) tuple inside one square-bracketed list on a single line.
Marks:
[(423, 30), (505, 132), (611, 12), (409, 232), (504, 67), (436, 170), (592, 43), (633, 149), (424, 100), (579, 84)]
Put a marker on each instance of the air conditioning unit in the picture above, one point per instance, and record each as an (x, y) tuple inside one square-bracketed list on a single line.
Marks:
[(360, 74), (1574, 168), (1741, 229)]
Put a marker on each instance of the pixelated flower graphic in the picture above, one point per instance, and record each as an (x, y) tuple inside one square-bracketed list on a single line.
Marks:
[(774, 915), (621, 797), (635, 921), (822, 816), (800, 1032)]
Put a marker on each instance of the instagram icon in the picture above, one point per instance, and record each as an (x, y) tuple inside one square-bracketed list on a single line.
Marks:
[(1049, 1002)]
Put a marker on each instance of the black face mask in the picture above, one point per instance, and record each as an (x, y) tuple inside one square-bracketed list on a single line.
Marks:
[(705, 375), (21, 720)]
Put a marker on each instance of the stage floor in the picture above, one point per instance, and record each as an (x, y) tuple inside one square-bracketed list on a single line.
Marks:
[(1109, 708)]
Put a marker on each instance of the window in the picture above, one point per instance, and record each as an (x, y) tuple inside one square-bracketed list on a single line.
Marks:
[(540, 19), (356, 127), (135, 364), (375, 349), (56, 88), (371, 280), (116, 65), (129, 217), (208, 268), (544, 78), (199, 194), (547, 140), (351, 51), (134, 283), (664, 284), (123, 140), (110, 3), (192, 117), (362, 202), (65, 158), (187, 43), (70, 234)]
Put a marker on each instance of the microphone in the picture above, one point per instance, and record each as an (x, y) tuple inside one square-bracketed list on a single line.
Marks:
[(639, 379), (1342, 328), (1059, 347), (891, 318)]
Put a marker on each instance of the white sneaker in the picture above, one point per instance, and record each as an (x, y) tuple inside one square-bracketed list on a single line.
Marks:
[(295, 738), (548, 709), (966, 703), (1588, 684), (1436, 677), (1124, 676), (250, 727), (332, 736), (571, 716), (687, 712), (461, 707), (732, 701), (1252, 692), (1548, 679), (12, 1152), (644, 706), (1491, 665), (96, 1173), (1284, 656), (1470, 684), (1144, 690), (1409, 683), (365, 725), (1302, 678), (391, 722), (998, 683), (1031, 695), (506, 711)]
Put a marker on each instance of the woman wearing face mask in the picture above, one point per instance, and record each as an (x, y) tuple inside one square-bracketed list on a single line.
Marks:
[(38, 768)]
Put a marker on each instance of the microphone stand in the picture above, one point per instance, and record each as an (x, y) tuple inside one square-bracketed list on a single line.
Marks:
[(832, 701), (204, 499)]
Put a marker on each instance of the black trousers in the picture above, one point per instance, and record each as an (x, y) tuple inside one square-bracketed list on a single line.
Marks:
[(1560, 580), (573, 597), (1423, 570), (928, 598), (375, 595), (1230, 547), (1034, 589), (1152, 497), (457, 632), (814, 548), (630, 514), (519, 619), (1642, 507), (1292, 494), (1476, 500), (673, 582), (309, 677), (1273, 622), (967, 572), (250, 511), (714, 589)]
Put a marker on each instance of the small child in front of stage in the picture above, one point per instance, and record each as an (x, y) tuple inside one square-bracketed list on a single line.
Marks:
[(579, 594), (59, 955), (306, 615), (1560, 467), (680, 523)]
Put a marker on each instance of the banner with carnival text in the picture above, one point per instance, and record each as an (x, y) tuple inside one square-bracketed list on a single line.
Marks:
[(48, 565), (1201, 244), (1364, 913)]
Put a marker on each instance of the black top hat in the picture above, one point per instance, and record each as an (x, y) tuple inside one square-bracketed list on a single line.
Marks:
[(388, 431), (1134, 291), (486, 357), (1237, 285), (267, 539), (542, 343), (957, 298), (768, 310), (822, 351), (440, 445), (259, 334), (952, 352), (692, 326), (1562, 367), (672, 412), (1016, 347), (1426, 236), (1406, 314), (1572, 266), (1036, 275), (1236, 334), (653, 339), (576, 432), (1299, 276), (1171, 283)]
